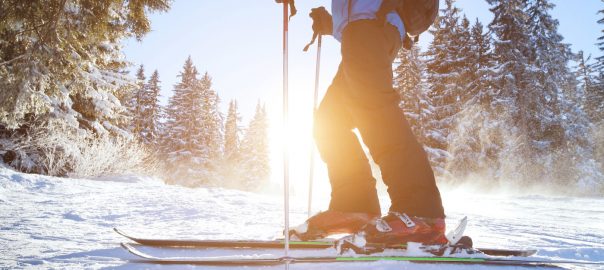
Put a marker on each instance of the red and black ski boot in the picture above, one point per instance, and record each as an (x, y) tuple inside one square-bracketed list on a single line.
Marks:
[(396, 229), (332, 222), (400, 228)]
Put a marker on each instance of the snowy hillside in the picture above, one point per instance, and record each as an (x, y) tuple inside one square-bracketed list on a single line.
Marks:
[(61, 223)]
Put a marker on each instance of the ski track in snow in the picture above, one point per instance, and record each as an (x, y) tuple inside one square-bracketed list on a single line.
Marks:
[(61, 223)]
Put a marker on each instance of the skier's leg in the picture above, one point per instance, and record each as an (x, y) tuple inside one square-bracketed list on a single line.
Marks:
[(352, 184), (354, 201), (368, 50)]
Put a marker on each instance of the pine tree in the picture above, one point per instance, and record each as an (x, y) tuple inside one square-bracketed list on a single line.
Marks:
[(255, 151), (445, 66), (586, 76), (553, 76), (410, 83), (511, 48), (136, 104), (61, 66), (212, 119), (594, 101), (183, 142), (600, 43), (61, 59), (586, 99), (232, 132), (573, 162), (514, 84), (463, 62), (192, 139), (152, 111), (480, 63), (473, 143), (595, 95)]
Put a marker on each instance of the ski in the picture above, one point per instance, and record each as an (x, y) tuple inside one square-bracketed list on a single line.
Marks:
[(322, 244), (257, 260), (227, 243)]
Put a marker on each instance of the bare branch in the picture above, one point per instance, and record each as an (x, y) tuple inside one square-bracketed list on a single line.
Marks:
[(12, 60)]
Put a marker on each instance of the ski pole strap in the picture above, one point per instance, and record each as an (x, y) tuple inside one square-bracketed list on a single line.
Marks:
[(312, 41), (292, 9)]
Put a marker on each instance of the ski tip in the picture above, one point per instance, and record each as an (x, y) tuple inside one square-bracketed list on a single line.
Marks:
[(135, 251), (118, 231), (128, 248)]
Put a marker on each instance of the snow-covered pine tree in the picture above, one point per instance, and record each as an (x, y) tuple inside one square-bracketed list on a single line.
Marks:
[(574, 162), (600, 43), (409, 82), (183, 141), (553, 75), (595, 96), (255, 151), (61, 59), (474, 142), (586, 99), (152, 111), (595, 100), (135, 103), (231, 170), (566, 153), (445, 66), (212, 121), (144, 108), (586, 76), (515, 84), (480, 67), (463, 63), (232, 132), (61, 65)]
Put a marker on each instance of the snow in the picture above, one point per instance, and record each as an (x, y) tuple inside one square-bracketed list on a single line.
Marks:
[(64, 223)]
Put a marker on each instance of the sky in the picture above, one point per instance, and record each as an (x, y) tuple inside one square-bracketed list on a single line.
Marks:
[(238, 42)]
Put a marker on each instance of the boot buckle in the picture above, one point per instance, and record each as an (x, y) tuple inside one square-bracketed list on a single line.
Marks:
[(405, 219), (382, 226)]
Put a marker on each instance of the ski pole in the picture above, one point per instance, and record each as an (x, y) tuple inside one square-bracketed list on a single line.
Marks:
[(285, 123), (314, 108)]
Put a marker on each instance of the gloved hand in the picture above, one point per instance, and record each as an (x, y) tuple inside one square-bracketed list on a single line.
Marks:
[(321, 21), (322, 24)]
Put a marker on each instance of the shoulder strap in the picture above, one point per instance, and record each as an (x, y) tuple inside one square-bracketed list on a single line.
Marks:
[(387, 7), (349, 10)]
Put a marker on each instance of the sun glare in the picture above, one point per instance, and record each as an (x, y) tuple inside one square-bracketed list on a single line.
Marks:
[(299, 142)]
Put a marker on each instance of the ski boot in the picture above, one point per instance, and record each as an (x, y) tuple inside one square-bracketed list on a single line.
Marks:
[(400, 228), (395, 230), (331, 222), (399, 231)]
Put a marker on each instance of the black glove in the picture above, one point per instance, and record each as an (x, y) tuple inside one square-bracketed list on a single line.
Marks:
[(322, 24), (321, 21)]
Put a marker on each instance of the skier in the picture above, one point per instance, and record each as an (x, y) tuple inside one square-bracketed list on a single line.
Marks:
[(361, 96)]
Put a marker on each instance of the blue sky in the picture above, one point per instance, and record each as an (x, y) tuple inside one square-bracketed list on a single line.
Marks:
[(239, 43)]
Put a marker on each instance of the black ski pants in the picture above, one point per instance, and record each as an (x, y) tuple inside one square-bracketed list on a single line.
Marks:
[(361, 96)]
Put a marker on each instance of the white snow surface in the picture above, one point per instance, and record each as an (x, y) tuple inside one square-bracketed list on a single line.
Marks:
[(61, 223)]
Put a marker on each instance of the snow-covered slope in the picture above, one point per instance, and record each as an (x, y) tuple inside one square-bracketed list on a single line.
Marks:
[(61, 223)]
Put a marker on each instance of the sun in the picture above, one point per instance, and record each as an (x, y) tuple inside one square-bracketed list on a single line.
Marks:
[(299, 142)]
